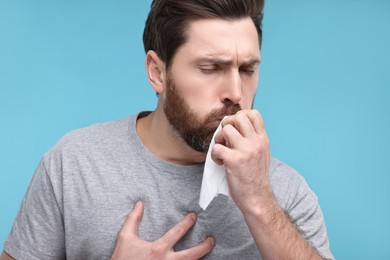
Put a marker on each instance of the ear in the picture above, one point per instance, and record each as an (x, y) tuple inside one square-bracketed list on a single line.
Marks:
[(155, 68)]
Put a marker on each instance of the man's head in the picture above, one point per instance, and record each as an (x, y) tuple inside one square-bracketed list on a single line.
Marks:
[(168, 20), (202, 60)]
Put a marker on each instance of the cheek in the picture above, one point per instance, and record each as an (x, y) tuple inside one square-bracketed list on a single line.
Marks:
[(198, 92), (248, 95)]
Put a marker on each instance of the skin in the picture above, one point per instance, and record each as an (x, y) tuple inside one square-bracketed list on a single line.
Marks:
[(5, 256), (129, 246), (210, 71)]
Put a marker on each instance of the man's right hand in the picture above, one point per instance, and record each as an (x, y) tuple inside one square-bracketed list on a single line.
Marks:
[(129, 246)]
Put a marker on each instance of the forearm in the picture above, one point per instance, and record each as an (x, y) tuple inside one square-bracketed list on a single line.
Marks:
[(243, 147), (275, 236), (5, 256)]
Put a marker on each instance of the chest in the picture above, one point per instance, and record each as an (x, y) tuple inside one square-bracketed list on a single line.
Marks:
[(97, 203)]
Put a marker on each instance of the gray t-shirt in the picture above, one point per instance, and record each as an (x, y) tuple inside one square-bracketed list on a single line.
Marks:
[(86, 185)]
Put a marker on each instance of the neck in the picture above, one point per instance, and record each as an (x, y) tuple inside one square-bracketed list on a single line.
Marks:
[(158, 136)]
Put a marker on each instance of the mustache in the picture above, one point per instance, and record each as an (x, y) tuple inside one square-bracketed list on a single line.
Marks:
[(227, 110)]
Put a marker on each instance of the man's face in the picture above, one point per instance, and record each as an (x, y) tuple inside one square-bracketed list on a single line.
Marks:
[(215, 73), (197, 132)]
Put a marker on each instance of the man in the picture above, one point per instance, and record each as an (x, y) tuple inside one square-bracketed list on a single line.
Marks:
[(202, 60)]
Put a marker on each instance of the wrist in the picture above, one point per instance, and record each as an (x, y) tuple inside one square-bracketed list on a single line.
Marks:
[(263, 209)]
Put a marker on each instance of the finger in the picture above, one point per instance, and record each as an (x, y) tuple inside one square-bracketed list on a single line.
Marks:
[(244, 124), (227, 120), (241, 122), (221, 153), (215, 156), (232, 136), (256, 121), (197, 251), (131, 225), (219, 138), (177, 232)]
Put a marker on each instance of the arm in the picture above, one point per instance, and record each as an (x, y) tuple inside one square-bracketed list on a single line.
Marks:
[(243, 147), (275, 236), (5, 256)]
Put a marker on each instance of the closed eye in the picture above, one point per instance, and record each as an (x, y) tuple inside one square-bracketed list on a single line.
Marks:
[(209, 70), (249, 70)]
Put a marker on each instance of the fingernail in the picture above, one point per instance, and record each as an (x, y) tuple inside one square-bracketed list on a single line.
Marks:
[(192, 215), (138, 204), (212, 240)]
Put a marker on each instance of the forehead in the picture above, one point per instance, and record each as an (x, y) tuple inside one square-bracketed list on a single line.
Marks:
[(235, 40)]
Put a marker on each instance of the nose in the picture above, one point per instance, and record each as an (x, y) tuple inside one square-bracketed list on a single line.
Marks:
[(232, 90)]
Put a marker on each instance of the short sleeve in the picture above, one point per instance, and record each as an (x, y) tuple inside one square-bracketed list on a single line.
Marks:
[(306, 214), (38, 230)]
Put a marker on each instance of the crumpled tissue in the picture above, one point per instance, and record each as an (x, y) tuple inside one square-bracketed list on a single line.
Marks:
[(214, 178)]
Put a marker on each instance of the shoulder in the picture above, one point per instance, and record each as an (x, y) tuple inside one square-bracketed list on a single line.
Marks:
[(283, 174), (98, 132), (287, 184), (94, 135), (93, 141)]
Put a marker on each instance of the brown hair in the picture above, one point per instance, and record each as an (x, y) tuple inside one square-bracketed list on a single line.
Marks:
[(168, 19)]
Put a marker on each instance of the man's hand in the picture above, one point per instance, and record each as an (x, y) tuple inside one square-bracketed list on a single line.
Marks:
[(129, 246), (243, 147)]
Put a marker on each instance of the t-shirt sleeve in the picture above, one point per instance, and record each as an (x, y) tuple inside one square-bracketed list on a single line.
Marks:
[(38, 230), (306, 214)]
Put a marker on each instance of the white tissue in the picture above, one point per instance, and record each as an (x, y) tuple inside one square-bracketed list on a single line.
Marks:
[(214, 178)]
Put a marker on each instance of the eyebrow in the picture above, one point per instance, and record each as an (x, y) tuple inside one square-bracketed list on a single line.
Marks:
[(221, 61)]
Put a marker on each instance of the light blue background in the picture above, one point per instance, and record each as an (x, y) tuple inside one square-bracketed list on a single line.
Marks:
[(324, 94)]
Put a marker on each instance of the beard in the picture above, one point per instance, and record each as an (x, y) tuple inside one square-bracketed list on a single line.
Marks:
[(195, 131)]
